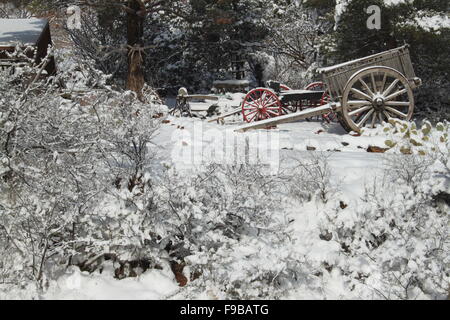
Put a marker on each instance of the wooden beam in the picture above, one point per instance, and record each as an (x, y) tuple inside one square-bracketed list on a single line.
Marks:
[(310, 112), (227, 114)]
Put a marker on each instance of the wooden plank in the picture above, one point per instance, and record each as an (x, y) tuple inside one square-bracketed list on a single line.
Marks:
[(201, 97), (222, 116), (311, 112)]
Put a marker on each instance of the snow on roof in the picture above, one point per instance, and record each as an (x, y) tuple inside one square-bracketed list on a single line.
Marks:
[(23, 31)]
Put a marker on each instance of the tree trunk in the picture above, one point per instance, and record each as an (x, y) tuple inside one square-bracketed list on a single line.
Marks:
[(135, 32)]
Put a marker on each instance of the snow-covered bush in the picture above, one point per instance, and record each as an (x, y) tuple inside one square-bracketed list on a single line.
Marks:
[(61, 155), (228, 227), (266, 267), (312, 177), (224, 201), (394, 242)]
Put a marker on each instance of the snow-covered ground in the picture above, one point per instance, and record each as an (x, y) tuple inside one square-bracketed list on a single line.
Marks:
[(352, 169)]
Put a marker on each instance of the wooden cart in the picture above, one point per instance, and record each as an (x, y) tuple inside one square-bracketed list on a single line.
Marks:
[(362, 93)]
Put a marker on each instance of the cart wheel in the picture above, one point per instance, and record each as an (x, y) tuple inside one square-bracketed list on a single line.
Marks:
[(284, 87), (260, 104), (319, 86), (291, 107), (316, 86), (376, 94)]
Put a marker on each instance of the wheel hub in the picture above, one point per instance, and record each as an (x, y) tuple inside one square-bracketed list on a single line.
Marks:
[(378, 103)]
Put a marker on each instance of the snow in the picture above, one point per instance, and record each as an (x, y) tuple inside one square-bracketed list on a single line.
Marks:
[(281, 230), (395, 2), (77, 285), (432, 23), (341, 6), (352, 165), (23, 31), (352, 170)]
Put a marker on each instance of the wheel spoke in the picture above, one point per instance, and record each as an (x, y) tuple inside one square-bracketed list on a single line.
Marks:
[(355, 112), (251, 103), (397, 103), (380, 116), (366, 86), (383, 82), (396, 94), (362, 94), (273, 113), (270, 100), (374, 86), (365, 118), (253, 118), (250, 107), (255, 101), (264, 99), (251, 113), (374, 117), (357, 103), (391, 87), (396, 112)]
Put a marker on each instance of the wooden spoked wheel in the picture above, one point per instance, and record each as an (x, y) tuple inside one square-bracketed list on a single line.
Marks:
[(374, 95), (260, 104), (284, 87), (320, 86)]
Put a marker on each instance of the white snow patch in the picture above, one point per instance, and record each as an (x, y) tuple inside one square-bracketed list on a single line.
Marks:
[(152, 285)]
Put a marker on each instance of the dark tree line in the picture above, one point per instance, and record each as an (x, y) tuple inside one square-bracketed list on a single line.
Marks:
[(190, 42)]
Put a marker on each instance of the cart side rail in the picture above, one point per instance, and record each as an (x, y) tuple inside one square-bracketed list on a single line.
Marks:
[(336, 76)]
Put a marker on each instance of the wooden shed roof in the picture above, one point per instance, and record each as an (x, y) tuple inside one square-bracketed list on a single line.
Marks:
[(21, 31)]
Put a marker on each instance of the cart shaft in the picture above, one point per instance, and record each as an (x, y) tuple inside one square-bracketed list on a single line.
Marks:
[(310, 112)]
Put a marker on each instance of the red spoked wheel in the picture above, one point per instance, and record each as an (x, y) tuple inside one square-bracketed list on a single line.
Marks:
[(260, 104), (316, 86), (284, 87), (320, 86)]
